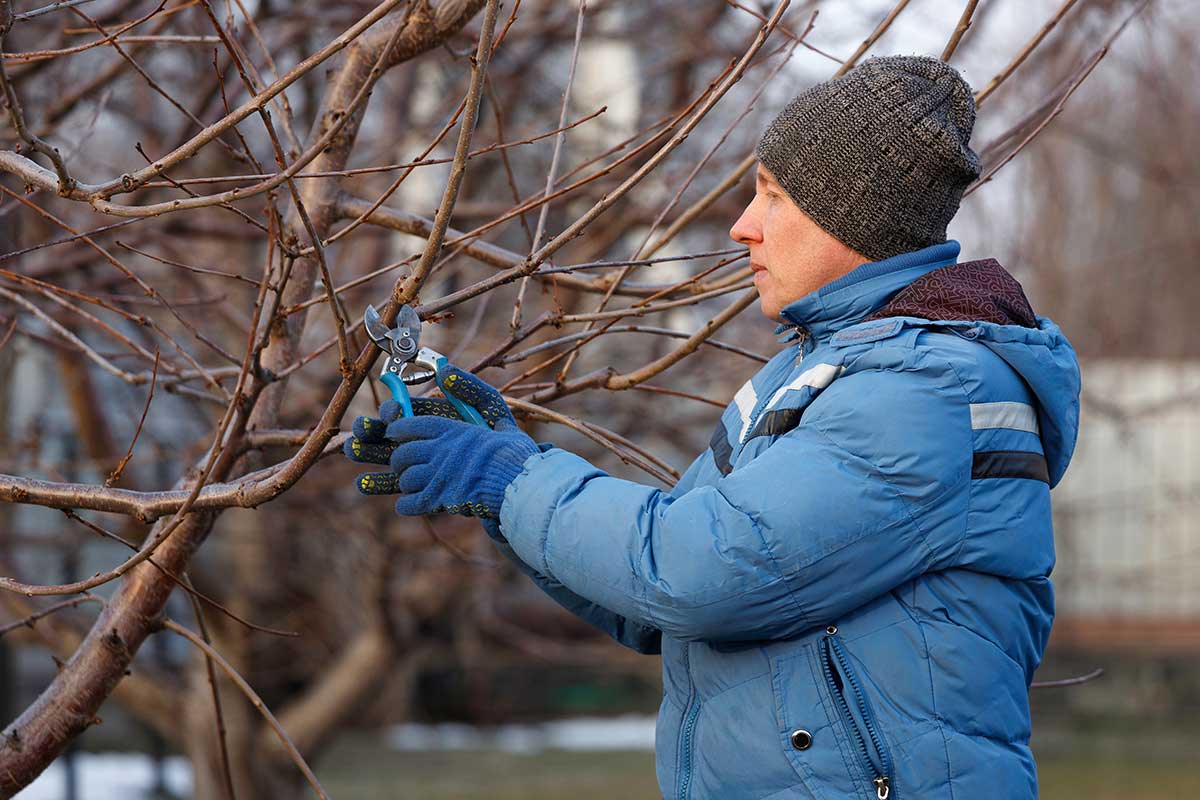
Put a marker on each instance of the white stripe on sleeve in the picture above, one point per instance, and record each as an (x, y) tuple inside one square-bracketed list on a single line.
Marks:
[(745, 400), (1014, 416), (818, 377)]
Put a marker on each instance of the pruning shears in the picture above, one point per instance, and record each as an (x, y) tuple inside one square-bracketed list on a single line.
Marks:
[(409, 364)]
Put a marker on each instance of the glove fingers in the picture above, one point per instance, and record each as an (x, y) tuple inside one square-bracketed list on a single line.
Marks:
[(470, 508), (356, 449), (434, 407), (415, 505), (389, 410), (369, 429), (414, 479), (412, 429), (373, 483), (410, 455), (474, 392)]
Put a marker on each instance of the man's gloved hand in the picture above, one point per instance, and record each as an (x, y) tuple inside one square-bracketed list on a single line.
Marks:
[(438, 462)]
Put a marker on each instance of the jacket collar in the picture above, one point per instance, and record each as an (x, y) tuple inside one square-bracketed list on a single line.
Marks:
[(862, 291)]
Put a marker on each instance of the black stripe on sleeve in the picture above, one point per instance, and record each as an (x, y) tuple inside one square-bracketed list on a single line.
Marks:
[(721, 448), (1010, 464)]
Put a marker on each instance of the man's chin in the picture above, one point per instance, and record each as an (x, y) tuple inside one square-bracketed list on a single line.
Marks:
[(768, 309)]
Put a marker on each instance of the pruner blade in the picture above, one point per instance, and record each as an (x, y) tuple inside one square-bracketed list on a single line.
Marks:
[(401, 344), (401, 341)]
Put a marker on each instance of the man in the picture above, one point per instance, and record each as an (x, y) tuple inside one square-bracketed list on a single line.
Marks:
[(850, 587)]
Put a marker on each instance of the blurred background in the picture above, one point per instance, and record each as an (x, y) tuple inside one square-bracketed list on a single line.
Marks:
[(425, 667)]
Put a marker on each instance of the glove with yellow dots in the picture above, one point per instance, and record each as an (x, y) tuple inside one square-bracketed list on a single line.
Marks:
[(440, 463)]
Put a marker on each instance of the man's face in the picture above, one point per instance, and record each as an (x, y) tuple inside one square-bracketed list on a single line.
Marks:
[(791, 255)]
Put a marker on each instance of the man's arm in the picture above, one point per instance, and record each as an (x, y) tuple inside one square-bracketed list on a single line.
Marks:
[(865, 494), (636, 637), (639, 638)]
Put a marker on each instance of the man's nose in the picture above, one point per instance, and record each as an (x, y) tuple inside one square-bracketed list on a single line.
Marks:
[(746, 230)]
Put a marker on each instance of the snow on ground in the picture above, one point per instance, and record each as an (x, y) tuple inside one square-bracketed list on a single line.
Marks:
[(632, 732), (128, 776), (105, 776)]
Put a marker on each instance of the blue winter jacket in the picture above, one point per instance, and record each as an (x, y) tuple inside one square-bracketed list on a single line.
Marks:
[(850, 588)]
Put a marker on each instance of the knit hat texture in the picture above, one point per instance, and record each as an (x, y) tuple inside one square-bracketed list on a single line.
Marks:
[(878, 157)]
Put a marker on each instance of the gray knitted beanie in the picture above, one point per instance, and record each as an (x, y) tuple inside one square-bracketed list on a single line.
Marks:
[(878, 157)]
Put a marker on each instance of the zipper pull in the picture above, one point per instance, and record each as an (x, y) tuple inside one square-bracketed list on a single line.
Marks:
[(802, 343), (882, 787)]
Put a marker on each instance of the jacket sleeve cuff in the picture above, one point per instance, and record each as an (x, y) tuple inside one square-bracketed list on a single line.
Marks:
[(506, 464)]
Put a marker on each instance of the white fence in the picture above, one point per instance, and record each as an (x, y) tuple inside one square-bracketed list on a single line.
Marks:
[(1127, 514)]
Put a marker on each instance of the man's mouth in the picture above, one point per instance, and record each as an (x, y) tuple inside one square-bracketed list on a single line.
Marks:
[(757, 267)]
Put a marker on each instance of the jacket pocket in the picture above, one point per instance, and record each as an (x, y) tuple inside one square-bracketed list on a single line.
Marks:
[(855, 714)]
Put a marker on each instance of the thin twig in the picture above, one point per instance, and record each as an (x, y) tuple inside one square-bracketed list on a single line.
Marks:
[(115, 475), (591, 432), (880, 29), (407, 289), (149, 290), (68, 336), (1083, 74), (254, 699), (642, 249), (188, 267), (609, 379), (65, 183), (552, 173), (1091, 676), (37, 12), (31, 620), (613, 315), (677, 393), (181, 581), (1020, 57), (498, 115), (107, 38), (452, 549), (498, 147), (643, 310), (210, 670), (964, 22), (421, 160), (576, 228), (67, 239), (552, 343), (12, 326)]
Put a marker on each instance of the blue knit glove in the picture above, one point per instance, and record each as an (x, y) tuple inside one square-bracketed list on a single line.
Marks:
[(438, 462)]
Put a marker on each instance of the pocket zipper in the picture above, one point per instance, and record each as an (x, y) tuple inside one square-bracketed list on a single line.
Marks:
[(835, 657)]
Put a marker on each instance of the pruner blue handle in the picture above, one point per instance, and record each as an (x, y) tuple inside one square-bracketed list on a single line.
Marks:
[(399, 392), (468, 412)]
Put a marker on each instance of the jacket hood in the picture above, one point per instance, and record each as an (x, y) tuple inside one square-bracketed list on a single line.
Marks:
[(989, 306), (1047, 362), (981, 301)]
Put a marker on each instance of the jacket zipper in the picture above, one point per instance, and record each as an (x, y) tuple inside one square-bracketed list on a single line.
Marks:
[(834, 654), (765, 399), (689, 726)]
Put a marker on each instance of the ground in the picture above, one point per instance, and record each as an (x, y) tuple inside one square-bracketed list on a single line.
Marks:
[(362, 771)]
